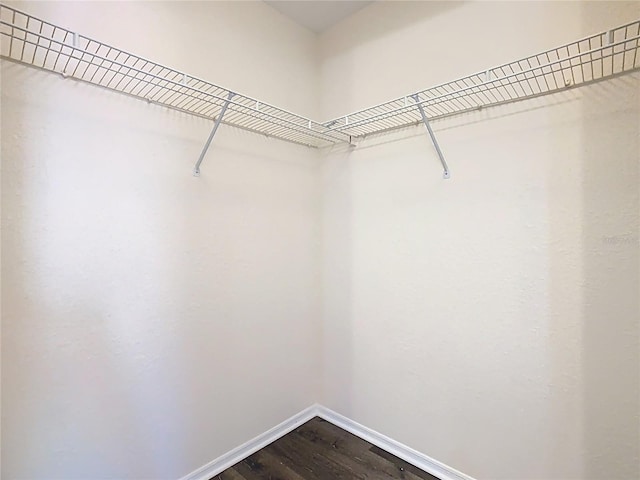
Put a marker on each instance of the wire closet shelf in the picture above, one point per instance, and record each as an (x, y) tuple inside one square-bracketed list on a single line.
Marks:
[(598, 57), (38, 43)]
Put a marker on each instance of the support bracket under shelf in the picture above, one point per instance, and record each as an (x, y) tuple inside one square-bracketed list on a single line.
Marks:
[(196, 169), (446, 174)]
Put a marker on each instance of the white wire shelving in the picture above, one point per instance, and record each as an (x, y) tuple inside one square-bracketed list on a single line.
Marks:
[(38, 43), (597, 57), (594, 58), (29, 40)]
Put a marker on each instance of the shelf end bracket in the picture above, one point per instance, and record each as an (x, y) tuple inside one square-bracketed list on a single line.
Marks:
[(446, 174), (196, 169)]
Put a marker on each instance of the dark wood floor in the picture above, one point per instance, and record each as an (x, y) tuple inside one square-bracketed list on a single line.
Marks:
[(318, 450)]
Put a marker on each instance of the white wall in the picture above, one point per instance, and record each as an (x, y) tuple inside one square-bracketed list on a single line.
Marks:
[(151, 320), (491, 320)]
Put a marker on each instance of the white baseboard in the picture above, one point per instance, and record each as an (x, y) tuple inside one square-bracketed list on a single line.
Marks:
[(423, 462), (420, 460), (229, 459)]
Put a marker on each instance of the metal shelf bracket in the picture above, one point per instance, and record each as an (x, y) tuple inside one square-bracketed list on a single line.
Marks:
[(196, 169), (446, 174)]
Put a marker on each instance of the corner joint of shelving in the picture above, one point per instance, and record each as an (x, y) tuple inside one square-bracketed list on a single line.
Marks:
[(354, 141)]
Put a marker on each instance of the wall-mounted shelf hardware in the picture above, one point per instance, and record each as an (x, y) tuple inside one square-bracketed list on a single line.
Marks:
[(216, 124), (598, 57), (38, 43), (445, 174)]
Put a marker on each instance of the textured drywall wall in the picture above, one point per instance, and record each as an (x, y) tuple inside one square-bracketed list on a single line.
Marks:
[(490, 320), (151, 320)]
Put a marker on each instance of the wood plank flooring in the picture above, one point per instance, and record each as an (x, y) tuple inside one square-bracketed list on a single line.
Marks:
[(318, 450)]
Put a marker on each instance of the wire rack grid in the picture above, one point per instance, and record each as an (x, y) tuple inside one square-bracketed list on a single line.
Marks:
[(35, 42), (598, 57), (38, 43)]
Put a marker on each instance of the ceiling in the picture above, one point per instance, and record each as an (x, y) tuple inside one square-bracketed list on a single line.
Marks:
[(317, 15)]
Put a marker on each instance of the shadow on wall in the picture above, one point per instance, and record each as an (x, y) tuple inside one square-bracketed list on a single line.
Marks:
[(337, 254), (611, 286), (466, 119), (610, 333), (86, 279)]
